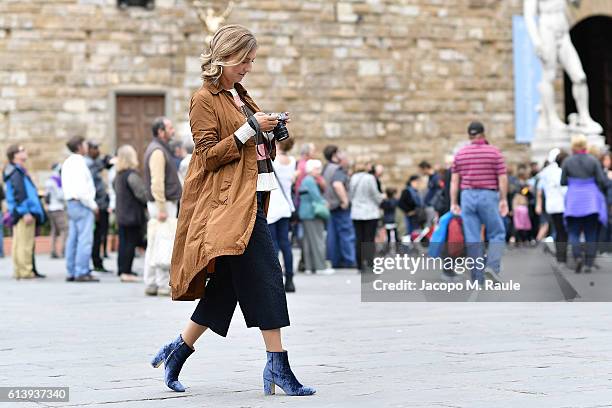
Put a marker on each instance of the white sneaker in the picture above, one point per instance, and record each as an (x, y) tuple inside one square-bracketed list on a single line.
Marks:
[(327, 271), (164, 291)]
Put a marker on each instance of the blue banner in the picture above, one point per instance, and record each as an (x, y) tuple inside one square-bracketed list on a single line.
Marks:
[(527, 74)]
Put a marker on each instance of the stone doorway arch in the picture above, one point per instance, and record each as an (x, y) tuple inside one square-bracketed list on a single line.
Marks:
[(591, 37)]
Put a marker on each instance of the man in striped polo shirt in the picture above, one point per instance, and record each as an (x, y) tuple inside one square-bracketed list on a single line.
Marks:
[(480, 171)]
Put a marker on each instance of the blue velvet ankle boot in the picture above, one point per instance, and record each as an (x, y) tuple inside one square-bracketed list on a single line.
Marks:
[(173, 355), (278, 372)]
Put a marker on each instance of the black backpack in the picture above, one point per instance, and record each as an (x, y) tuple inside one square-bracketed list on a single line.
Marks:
[(406, 202)]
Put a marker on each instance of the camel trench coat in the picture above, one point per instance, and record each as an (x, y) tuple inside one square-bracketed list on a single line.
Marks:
[(219, 204)]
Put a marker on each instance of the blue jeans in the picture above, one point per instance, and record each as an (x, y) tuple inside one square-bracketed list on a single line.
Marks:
[(589, 225), (80, 239), (341, 239), (411, 224), (280, 238), (480, 207), (408, 225)]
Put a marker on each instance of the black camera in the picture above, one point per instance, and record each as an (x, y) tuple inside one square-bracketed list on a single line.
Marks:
[(106, 161), (280, 131)]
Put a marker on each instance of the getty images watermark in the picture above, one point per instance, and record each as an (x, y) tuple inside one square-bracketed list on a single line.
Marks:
[(413, 264), (401, 273)]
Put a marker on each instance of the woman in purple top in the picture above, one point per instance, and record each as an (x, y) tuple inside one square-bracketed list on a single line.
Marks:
[(585, 206)]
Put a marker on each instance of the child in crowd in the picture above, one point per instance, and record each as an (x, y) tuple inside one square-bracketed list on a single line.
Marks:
[(389, 205), (520, 218)]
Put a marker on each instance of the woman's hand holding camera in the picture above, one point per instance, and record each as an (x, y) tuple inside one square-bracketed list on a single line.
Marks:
[(266, 121)]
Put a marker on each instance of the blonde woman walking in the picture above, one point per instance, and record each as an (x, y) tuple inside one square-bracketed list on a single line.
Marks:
[(222, 232)]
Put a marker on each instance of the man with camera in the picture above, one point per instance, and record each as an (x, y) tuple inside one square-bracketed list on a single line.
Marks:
[(96, 166)]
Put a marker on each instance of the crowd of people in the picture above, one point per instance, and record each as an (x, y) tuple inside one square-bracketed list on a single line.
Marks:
[(86, 195), (335, 210), (331, 210), (568, 201)]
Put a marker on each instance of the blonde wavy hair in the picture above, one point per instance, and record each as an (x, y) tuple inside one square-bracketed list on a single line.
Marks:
[(126, 158), (578, 142), (361, 166), (231, 41)]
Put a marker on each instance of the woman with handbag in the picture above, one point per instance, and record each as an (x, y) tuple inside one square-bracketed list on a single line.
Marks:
[(222, 233), (314, 213), (131, 202)]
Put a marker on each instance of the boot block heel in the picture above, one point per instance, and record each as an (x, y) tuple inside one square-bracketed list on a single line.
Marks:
[(269, 387), (157, 360)]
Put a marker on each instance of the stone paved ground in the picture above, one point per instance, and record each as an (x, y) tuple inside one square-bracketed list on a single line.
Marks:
[(98, 338)]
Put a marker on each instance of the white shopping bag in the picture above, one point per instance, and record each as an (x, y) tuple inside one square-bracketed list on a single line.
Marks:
[(163, 244)]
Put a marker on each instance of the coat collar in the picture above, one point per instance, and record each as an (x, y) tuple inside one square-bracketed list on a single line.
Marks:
[(12, 168), (215, 89), (479, 141)]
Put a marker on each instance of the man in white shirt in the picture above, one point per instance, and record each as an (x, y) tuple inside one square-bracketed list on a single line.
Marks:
[(79, 193)]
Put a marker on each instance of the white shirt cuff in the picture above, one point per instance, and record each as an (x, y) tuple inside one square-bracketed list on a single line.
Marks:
[(244, 133)]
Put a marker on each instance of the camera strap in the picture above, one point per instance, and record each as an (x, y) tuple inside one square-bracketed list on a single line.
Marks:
[(258, 133), (291, 206)]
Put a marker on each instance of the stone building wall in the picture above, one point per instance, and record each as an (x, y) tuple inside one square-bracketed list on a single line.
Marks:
[(393, 81)]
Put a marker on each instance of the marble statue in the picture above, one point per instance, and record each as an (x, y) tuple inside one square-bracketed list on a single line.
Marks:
[(548, 24), (209, 17)]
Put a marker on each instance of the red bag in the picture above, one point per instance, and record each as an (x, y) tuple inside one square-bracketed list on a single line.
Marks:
[(455, 238)]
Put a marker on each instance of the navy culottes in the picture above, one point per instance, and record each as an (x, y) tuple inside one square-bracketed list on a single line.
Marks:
[(254, 280)]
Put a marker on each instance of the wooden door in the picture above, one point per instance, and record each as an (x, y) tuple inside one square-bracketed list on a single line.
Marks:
[(134, 117)]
